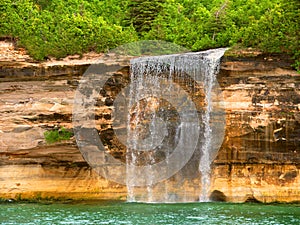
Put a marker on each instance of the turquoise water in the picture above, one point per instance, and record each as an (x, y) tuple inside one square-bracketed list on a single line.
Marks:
[(134, 213)]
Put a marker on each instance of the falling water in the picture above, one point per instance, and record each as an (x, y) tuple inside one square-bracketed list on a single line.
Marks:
[(212, 69), (168, 125)]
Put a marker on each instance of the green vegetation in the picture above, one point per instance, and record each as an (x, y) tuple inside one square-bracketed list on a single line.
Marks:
[(57, 135), (61, 27), (142, 13)]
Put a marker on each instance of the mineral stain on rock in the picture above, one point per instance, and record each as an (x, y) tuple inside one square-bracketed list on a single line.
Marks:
[(259, 158)]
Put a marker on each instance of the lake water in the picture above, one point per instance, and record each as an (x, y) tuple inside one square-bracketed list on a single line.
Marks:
[(137, 213)]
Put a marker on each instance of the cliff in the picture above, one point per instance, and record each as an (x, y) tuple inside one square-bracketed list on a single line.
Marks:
[(258, 161), (260, 157)]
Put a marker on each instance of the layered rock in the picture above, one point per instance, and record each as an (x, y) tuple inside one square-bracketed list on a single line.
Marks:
[(260, 156), (259, 159)]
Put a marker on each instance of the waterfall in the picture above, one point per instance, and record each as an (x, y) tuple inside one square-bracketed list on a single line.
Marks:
[(211, 70), (171, 105)]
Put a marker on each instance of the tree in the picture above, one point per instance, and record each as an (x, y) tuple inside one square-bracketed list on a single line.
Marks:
[(142, 13)]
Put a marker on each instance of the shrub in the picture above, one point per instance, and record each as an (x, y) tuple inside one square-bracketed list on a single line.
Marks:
[(59, 28), (57, 135)]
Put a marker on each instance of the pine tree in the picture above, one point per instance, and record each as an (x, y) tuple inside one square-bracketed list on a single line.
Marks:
[(143, 12)]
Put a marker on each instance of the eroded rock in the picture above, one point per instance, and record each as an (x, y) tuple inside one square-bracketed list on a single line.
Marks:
[(259, 159)]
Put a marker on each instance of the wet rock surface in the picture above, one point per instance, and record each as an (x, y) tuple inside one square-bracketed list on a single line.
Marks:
[(259, 158)]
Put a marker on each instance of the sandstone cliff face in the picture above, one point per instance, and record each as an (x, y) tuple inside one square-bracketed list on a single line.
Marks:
[(38, 97), (260, 156), (259, 159)]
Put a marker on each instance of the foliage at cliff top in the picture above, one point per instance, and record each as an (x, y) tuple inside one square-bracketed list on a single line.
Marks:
[(62, 27)]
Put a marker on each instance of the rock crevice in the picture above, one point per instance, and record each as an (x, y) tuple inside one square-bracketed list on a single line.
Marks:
[(258, 161)]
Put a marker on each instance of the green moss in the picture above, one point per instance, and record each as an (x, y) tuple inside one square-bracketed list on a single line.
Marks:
[(19, 197), (57, 135)]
